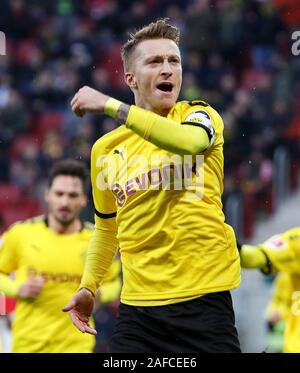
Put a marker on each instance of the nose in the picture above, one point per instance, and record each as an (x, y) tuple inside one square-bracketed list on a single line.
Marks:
[(64, 201), (166, 69)]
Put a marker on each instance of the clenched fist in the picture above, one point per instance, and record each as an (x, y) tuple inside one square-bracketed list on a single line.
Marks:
[(88, 100)]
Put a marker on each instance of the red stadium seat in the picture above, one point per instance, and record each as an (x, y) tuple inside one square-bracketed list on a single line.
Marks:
[(10, 196), (52, 120), (293, 130), (21, 142), (252, 78), (25, 211)]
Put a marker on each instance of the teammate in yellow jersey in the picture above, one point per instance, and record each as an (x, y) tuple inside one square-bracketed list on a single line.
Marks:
[(278, 310), (47, 254), (281, 253), (157, 184)]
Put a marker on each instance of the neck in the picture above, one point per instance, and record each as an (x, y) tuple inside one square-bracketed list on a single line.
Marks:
[(59, 228), (160, 111)]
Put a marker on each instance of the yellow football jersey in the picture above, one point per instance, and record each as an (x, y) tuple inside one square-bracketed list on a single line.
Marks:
[(172, 237), (283, 251), (30, 248), (280, 302)]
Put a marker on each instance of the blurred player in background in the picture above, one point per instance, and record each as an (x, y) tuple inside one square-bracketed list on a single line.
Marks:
[(179, 258), (277, 311), (7, 307), (281, 253), (47, 254)]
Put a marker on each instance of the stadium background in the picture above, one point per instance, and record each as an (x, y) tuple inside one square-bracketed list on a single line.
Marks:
[(236, 56)]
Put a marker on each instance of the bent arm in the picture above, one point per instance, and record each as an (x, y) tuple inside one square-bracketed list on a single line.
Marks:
[(190, 138), (165, 133)]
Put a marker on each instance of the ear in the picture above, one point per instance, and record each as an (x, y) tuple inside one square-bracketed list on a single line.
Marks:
[(84, 201), (130, 80)]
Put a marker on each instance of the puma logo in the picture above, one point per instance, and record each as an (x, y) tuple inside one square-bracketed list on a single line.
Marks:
[(120, 152)]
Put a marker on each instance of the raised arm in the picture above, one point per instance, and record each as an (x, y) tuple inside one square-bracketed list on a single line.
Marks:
[(189, 138)]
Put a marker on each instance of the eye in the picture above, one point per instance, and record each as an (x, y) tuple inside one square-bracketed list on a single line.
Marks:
[(174, 60), (154, 61), (74, 195)]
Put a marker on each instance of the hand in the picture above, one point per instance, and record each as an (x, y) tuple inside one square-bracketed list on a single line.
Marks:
[(80, 309), (87, 100), (32, 288)]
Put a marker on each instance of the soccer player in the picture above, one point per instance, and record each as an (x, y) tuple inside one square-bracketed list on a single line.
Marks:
[(281, 253), (47, 254), (179, 258), (278, 310)]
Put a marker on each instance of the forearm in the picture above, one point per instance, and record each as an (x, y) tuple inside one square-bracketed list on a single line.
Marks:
[(8, 286), (101, 251), (160, 131)]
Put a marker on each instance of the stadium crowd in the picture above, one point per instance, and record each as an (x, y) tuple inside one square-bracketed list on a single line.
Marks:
[(236, 56)]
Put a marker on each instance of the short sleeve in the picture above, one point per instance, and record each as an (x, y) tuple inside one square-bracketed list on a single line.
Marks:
[(9, 253), (104, 200)]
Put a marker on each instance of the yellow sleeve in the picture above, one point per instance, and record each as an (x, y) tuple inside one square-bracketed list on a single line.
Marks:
[(8, 286), (103, 244), (9, 260), (283, 251), (188, 137), (101, 251), (280, 301), (252, 257), (103, 198), (9, 253)]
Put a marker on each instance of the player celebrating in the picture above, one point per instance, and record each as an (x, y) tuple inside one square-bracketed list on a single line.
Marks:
[(179, 258)]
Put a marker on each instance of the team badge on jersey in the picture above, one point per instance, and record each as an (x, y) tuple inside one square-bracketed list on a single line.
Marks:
[(276, 243)]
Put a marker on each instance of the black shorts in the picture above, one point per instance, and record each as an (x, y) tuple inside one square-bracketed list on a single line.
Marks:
[(204, 324)]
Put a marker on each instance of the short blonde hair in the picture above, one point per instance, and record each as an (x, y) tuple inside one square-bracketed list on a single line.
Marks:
[(160, 29)]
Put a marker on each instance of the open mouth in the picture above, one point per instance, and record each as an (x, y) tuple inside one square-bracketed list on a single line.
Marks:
[(165, 87), (64, 210)]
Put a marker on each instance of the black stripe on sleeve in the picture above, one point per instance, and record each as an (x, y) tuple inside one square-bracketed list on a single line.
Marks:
[(105, 216), (208, 131), (198, 102)]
